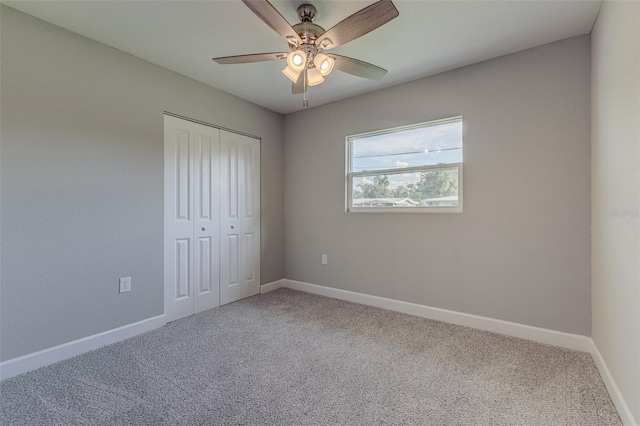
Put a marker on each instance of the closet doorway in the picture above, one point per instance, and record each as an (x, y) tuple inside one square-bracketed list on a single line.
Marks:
[(211, 217)]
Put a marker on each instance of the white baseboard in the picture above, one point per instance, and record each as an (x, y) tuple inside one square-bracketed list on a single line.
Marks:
[(33, 361), (541, 335), (536, 334), (616, 396), (29, 362), (266, 288)]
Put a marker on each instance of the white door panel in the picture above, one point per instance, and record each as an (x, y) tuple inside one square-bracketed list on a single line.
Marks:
[(251, 217), (178, 229), (230, 286), (206, 193), (240, 216), (230, 247)]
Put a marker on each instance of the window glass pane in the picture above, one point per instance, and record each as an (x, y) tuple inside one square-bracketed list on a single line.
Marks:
[(428, 188), (431, 144)]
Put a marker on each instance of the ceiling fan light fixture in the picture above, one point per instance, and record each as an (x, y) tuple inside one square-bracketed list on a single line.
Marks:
[(297, 60), (291, 73), (314, 77), (323, 63)]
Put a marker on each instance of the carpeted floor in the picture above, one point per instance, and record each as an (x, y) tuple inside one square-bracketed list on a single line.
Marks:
[(291, 358)]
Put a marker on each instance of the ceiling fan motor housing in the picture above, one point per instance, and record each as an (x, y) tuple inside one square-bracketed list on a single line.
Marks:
[(308, 32)]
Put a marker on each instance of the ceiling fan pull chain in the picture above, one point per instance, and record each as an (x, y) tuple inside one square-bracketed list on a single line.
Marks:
[(305, 99)]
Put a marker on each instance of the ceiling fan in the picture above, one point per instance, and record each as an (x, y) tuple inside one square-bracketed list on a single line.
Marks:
[(307, 65)]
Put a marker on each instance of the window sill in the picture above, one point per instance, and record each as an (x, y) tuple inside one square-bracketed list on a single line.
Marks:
[(420, 210)]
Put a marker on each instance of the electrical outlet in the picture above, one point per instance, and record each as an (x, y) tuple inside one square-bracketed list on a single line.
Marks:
[(324, 259), (125, 284)]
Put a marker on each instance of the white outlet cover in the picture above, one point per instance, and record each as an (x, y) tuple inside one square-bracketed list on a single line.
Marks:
[(125, 284)]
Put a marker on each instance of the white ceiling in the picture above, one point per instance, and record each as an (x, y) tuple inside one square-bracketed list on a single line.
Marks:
[(427, 38)]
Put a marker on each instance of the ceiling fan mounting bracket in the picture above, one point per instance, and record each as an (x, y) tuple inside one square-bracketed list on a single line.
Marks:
[(306, 13)]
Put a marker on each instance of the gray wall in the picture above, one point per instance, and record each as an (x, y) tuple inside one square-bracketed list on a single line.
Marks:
[(519, 252), (615, 195), (82, 181)]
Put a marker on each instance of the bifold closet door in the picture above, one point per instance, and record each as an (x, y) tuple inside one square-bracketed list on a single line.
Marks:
[(239, 217), (191, 217)]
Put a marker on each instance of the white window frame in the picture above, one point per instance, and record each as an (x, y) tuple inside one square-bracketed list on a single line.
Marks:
[(349, 175)]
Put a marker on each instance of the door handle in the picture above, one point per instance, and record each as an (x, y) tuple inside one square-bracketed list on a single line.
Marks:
[(204, 228), (232, 227)]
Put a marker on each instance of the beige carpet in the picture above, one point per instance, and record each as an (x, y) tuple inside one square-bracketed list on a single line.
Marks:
[(291, 358)]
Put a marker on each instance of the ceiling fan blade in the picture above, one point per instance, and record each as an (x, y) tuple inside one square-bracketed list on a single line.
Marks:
[(256, 57), (270, 16), (301, 85), (357, 67), (358, 24)]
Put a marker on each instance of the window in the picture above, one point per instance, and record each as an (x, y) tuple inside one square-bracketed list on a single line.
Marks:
[(415, 168)]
